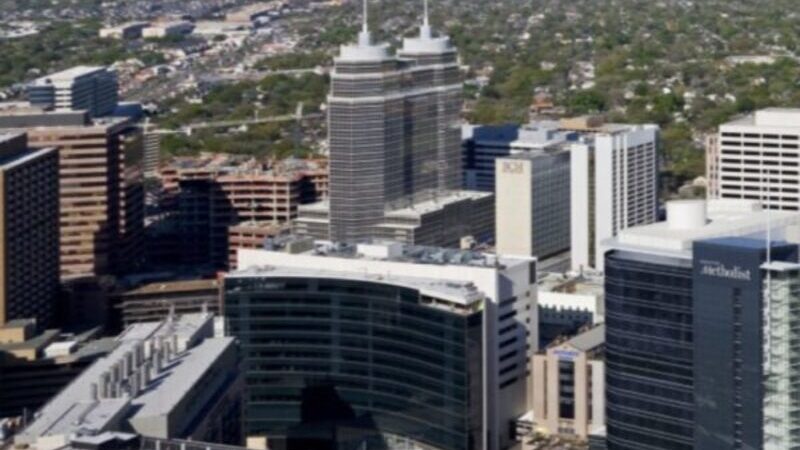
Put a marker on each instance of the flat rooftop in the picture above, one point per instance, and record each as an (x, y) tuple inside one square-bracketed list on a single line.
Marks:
[(419, 209), (69, 74), (769, 117), (457, 292), (724, 218), (412, 254), (172, 287), (75, 410), (179, 377)]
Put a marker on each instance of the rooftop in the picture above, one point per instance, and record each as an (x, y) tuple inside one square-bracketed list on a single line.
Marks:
[(81, 410), (396, 252), (457, 292), (172, 286), (68, 74), (692, 220), (770, 117), (589, 339)]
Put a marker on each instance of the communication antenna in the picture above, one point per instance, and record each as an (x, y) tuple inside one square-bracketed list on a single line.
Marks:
[(365, 39), (425, 31)]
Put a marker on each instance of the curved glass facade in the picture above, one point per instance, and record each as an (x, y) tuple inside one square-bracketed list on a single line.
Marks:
[(649, 355), (340, 363)]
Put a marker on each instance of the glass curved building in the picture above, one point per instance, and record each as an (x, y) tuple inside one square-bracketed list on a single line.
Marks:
[(349, 362)]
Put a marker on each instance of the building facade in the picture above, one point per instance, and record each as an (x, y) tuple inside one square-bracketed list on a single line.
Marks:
[(569, 385), (340, 368), (28, 231), (684, 327), (781, 428), (101, 195), (532, 204), (757, 158), (92, 89), (155, 301), (417, 307), (614, 187), (209, 195), (728, 334)]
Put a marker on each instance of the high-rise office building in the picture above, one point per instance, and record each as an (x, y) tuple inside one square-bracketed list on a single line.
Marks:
[(398, 344), (28, 230), (757, 157), (395, 162), (101, 196), (612, 177), (684, 326), (614, 185), (83, 88), (532, 203)]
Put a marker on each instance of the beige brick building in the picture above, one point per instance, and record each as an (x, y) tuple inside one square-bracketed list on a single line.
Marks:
[(569, 387)]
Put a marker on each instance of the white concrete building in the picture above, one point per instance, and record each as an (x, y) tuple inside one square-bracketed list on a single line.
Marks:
[(613, 187), (758, 158), (508, 285)]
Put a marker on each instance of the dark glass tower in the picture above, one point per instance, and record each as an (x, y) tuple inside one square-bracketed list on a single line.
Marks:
[(339, 363), (649, 355)]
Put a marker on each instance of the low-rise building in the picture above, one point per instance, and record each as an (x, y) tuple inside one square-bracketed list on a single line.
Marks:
[(169, 379), (36, 365), (131, 30), (569, 385), (568, 303), (156, 300)]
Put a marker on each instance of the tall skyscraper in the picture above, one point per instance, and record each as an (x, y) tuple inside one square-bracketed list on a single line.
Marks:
[(424, 346), (28, 230), (757, 158), (684, 328), (85, 88), (395, 159)]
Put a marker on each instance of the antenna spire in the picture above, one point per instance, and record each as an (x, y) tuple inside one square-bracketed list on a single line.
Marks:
[(364, 38), (425, 30)]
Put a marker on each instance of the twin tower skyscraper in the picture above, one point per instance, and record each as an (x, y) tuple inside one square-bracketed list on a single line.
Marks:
[(395, 147)]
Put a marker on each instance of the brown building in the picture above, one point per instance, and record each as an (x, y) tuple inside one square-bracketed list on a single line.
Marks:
[(569, 386), (154, 301), (101, 194), (211, 193), (28, 230), (251, 235)]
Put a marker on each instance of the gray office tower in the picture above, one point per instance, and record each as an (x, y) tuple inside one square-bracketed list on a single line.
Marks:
[(93, 89), (686, 331), (395, 147)]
